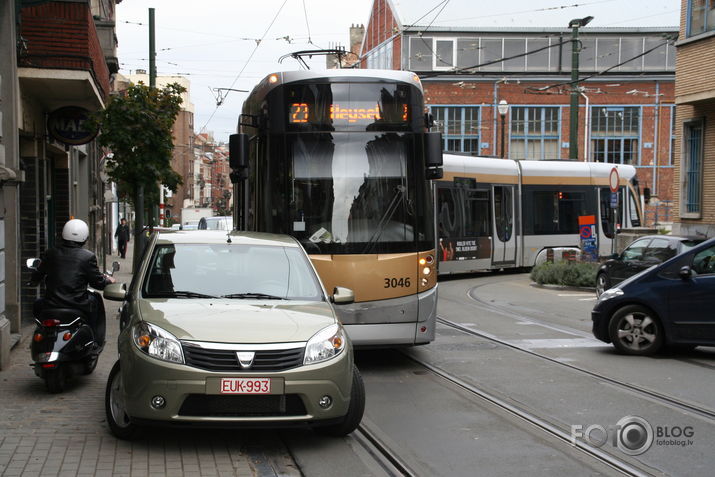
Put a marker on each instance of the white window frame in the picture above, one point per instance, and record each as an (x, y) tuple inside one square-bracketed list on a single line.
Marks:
[(436, 62)]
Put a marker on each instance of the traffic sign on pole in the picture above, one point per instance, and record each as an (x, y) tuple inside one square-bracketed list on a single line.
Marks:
[(614, 180)]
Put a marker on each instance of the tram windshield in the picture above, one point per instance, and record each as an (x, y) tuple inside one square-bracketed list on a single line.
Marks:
[(357, 193)]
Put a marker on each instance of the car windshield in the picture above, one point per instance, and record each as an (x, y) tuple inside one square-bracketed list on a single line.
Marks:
[(230, 271)]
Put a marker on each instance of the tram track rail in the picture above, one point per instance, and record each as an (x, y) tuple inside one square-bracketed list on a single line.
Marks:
[(654, 395), (390, 462), (560, 435)]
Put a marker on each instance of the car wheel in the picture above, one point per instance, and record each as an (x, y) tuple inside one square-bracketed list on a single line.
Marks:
[(636, 330), (119, 421), (55, 380), (602, 283), (355, 411)]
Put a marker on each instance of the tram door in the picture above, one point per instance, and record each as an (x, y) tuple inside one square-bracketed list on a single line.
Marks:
[(504, 213)]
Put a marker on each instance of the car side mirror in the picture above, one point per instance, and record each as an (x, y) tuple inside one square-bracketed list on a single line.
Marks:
[(343, 296), (115, 291), (616, 256), (686, 273), (33, 263)]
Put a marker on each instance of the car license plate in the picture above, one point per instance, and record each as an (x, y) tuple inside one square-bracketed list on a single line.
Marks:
[(245, 386)]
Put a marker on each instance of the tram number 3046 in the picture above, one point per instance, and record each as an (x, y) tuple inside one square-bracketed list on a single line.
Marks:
[(397, 282)]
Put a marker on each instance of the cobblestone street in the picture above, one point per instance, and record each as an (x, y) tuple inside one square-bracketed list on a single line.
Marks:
[(66, 434)]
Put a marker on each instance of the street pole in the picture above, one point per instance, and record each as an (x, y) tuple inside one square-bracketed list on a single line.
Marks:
[(503, 109), (575, 51), (139, 237), (503, 122)]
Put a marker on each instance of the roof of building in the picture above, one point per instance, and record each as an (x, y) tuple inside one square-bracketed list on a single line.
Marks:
[(445, 16)]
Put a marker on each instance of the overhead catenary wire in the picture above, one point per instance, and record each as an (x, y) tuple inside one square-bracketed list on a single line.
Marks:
[(258, 43)]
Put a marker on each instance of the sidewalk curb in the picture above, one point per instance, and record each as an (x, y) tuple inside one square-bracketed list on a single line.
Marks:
[(563, 287)]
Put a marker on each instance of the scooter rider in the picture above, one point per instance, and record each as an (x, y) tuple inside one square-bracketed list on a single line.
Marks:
[(68, 269)]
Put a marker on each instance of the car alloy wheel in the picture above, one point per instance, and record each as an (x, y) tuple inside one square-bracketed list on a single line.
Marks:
[(119, 422), (602, 284), (636, 330)]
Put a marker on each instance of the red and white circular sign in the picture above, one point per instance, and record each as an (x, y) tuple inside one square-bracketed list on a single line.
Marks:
[(613, 180)]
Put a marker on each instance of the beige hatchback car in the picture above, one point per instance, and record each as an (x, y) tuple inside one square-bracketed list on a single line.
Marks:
[(222, 329)]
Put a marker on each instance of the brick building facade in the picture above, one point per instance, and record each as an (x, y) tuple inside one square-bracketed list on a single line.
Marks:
[(625, 115), (694, 185)]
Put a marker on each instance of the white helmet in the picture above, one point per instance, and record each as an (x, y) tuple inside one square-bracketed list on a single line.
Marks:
[(75, 230)]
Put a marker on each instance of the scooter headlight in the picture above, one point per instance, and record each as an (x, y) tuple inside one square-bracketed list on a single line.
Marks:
[(325, 344), (158, 343)]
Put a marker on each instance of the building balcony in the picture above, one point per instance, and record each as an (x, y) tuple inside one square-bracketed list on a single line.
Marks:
[(61, 61)]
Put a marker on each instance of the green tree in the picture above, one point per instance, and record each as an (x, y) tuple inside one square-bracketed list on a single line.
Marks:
[(136, 126)]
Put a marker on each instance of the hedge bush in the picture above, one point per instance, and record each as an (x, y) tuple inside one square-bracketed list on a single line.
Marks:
[(574, 274)]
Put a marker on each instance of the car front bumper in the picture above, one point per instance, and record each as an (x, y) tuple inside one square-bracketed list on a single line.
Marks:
[(192, 396)]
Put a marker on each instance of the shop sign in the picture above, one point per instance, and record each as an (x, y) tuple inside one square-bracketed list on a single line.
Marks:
[(68, 125)]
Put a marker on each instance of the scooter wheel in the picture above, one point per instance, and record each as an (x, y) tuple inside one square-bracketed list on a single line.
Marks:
[(89, 365), (55, 380)]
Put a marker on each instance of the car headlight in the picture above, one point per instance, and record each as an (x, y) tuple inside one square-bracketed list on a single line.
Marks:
[(158, 343), (325, 344), (610, 293)]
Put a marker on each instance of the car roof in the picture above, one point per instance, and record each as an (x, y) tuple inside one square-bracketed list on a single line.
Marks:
[(220, 236), (677, 238)]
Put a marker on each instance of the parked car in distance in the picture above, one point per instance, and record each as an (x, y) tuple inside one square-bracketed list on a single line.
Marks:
[(190, 225), (668, 304), (233, 330), (643, 253), (219, 222)]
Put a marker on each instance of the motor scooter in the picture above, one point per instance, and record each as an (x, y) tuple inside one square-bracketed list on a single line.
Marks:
[(63, 344)]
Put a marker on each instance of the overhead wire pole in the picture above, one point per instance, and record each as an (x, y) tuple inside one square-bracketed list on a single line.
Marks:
[(575, 51), (139, 237)]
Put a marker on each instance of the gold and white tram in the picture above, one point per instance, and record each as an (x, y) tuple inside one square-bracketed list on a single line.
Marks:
[(502, 213), (342, 161)]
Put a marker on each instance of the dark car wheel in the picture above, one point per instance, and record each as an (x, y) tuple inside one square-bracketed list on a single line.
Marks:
[(636, 330), (355, 411), (119, 422), (602, 283)]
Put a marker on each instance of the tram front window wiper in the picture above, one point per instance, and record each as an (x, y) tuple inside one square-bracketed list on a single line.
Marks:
[(397, 199), (253, 295)]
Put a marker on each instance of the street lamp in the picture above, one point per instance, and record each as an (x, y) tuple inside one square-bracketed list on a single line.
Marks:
[(503, 108), (575, 24)]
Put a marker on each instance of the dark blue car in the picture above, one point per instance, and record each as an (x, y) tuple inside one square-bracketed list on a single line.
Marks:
[(668, 304)]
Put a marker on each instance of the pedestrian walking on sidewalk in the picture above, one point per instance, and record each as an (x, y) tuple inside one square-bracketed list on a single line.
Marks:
[(122, 235)]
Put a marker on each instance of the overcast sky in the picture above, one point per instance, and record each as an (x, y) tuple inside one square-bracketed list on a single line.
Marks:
[(213, 42)]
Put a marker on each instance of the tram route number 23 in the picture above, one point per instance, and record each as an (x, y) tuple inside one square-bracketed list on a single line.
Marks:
[(397, 282)]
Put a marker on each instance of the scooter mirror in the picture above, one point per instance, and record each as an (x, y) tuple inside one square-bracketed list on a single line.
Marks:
[(33, 263)]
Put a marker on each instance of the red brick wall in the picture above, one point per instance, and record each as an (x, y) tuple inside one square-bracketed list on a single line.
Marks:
[(381, 26), (482, 94), (62, 35)]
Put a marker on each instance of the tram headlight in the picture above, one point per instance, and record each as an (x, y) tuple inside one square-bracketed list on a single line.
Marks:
[(426, 270), (325, 344)]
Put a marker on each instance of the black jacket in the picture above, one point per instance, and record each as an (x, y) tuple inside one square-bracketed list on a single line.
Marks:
[(122, 233), (68, 269)]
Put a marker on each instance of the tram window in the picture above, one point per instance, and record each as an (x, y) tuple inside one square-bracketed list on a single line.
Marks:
[(608, 216), (449, 224), (478, 216), (557, 212), (503, 205), (633, 210)]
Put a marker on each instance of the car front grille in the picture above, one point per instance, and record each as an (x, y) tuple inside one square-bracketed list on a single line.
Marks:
[(272, 405), (226, 360)]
